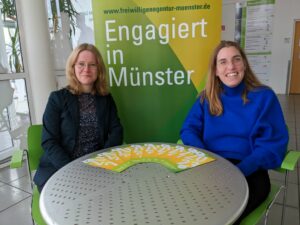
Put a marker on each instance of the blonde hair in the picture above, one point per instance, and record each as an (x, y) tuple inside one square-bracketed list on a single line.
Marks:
[(213, 87), (100, 85)]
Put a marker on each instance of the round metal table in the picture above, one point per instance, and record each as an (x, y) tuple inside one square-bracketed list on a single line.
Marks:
[(147, 193)]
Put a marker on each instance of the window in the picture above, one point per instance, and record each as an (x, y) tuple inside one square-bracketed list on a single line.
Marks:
[(70, 24), (10, 48), (14, 116), (14, 110)]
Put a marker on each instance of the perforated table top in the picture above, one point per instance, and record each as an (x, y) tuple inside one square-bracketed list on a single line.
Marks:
[(146, 193)]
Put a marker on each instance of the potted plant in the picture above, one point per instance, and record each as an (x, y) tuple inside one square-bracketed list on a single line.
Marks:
[(64, 6)]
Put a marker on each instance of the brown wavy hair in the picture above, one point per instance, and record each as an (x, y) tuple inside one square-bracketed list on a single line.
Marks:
[(213, 87), (100, 85)]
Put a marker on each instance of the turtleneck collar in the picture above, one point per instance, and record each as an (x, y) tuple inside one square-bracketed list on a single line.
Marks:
[(231, 91)]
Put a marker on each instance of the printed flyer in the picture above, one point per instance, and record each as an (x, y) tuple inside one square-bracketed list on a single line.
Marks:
[(174, 157), (157, 55)]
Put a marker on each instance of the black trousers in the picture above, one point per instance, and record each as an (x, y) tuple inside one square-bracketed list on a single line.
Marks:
[(259, 188)]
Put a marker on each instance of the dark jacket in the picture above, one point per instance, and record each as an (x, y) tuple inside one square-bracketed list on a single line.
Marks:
[(61, 125)]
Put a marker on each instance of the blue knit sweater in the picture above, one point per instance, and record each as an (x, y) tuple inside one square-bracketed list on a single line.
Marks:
[(254, 133)]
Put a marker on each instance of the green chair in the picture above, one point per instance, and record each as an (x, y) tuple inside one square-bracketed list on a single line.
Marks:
[(33, 154), (289, 163)]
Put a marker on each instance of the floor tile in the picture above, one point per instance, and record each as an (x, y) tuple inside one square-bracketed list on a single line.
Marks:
[(291, 216), (279, 177), (274, 215), (10, 196), (7, 174), (23, 183), (292, 196), (292, 176), (1, 183), (22, 210)]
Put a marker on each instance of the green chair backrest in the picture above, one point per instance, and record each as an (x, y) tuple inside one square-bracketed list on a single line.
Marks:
[(35, 150)]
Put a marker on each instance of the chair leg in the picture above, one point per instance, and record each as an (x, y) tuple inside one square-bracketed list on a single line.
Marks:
[(31, 183), (270, 205), (33, 223), (29, 170), (284, 196), (266, 217)]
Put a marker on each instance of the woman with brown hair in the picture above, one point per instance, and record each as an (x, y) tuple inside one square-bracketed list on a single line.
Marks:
[(240, 119), (80, 118)]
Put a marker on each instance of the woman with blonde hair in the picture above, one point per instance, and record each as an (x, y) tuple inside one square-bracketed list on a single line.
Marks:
[(239, 119), (80, 118)]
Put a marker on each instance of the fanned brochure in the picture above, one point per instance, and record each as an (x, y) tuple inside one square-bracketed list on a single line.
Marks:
[(174, 157)]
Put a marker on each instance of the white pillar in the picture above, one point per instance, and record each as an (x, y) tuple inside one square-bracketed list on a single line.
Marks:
[(34, 22)]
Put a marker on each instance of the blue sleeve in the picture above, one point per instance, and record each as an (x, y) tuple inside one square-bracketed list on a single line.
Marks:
[(192, 129), (51, 135), (269, 138), (115, 129)]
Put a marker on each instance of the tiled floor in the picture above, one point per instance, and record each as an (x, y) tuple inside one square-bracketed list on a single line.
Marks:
[(15, 187)]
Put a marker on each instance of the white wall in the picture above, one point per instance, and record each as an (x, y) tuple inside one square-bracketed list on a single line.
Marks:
[(286, 12)]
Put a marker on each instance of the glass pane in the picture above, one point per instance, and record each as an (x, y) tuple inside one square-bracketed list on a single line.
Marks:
[(14, 116), (70, 23), (84, 32), (10, 49), (62, 22)]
